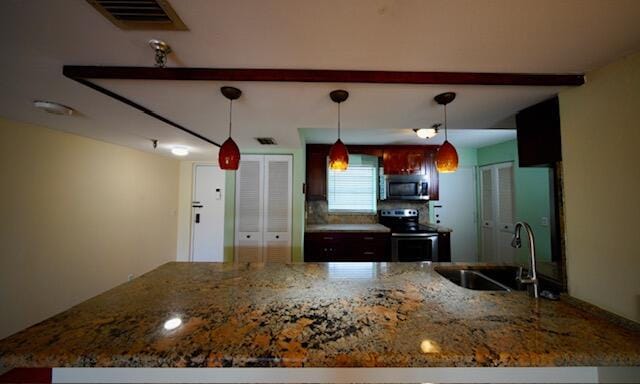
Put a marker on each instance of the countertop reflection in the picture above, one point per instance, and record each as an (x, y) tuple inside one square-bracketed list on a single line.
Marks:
[(317, 315)]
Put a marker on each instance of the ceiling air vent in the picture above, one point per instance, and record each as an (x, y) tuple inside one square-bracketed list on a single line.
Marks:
[(266, 140), (140, 14)]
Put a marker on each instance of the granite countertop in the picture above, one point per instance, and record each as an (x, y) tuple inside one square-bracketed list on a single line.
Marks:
[(318, 315), (314, 228)]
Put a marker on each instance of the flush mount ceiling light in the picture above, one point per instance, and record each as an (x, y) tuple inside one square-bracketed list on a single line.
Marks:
[(427, 133), (53, 107), (229, 155), (338, 154), (180, 151), (447, 156)]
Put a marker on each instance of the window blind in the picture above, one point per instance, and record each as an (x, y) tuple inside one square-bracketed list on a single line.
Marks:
[(353, 190)]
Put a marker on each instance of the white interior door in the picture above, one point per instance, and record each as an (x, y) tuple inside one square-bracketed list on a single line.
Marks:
[(207, 234), (277, 208), (249, 209), (497, 212), (456, 209), (505, 212), (487, 217)]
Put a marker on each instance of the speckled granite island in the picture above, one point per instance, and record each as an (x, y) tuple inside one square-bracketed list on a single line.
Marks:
[(317, 315)]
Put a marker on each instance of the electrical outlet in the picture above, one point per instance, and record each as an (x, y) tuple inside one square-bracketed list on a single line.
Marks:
[(544, 221), (130, 277)]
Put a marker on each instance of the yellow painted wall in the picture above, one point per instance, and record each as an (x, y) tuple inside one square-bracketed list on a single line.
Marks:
[(78, 216), (601, 157)]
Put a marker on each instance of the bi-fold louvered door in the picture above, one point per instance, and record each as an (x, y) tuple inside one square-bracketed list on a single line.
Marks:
[(263, 209), (497, 212)]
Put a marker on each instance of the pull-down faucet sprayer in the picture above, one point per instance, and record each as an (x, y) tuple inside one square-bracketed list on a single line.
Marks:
[(532, 277)]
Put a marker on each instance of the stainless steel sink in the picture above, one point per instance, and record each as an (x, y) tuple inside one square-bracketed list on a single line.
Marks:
[(484, 278)]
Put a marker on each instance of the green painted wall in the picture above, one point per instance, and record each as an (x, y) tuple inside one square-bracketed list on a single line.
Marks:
[(531, 195), (467, 157), (297, 224)]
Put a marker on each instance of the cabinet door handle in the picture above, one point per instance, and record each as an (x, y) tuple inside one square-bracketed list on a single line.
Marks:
[(327, 238), (368, 238), (368, 253), (248, 236), (277, 237)]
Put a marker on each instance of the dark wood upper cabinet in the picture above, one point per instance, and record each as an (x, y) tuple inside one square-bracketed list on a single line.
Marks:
[(404, 161), (539, 143), (316, 182), (396, 159)]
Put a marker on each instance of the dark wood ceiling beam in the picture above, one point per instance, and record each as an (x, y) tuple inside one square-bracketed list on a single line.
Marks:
[(321, 76)]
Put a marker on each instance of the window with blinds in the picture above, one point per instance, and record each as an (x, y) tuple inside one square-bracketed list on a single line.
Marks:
[(354, 190)]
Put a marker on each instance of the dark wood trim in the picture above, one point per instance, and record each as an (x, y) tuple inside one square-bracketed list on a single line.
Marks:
[(140, 108), (27, 375), (321, 76)]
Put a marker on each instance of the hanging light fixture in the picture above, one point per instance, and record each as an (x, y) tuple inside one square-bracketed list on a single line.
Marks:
[(229, 154), (338, 154), (427, 133), (447, 157)]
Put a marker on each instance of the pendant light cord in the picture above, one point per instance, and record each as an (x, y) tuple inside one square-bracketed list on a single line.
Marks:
[(338, 121), (230, 110), (445, 122)]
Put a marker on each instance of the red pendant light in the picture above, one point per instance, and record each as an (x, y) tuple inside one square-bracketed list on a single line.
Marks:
[(229, 154), (338, 154), (447, 156)]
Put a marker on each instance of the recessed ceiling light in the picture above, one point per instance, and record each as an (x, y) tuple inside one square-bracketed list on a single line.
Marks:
[(53, 107), (180, 151)]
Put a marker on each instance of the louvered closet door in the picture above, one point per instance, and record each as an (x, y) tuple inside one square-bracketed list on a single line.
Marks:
[(249, 209), (505, 212), (487, 214), (277, 208)]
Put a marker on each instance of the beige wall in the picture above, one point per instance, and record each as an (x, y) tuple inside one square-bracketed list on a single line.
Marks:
[(601, 155), (78, 216)]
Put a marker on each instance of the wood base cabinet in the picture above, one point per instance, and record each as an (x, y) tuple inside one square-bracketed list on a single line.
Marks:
[(341, 246)]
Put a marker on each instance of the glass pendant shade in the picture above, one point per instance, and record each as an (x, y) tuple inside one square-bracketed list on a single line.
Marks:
[(229, 155), (446, 158), (338, 156)]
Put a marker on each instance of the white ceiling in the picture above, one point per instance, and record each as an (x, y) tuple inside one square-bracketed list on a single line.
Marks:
[(542, 36)]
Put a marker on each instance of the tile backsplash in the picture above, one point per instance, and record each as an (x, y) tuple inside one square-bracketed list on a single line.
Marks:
[(317, 212)]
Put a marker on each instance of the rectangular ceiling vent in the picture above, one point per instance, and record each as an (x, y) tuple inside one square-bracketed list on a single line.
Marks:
[(140, 14), (266, 140)]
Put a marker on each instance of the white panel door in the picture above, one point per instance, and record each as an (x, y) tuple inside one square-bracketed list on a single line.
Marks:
[(249, 209), (207, 234), (487, 217), (456, 209), (497, 212), (505, 212), (277, 208)]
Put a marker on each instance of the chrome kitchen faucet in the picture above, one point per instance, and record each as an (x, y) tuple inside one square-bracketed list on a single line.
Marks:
[(532, 277)]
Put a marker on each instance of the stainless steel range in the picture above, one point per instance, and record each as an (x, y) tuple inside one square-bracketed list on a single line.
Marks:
[(410, 240)]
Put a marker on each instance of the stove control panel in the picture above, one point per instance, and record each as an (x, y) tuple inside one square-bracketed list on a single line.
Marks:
[(399, 213)]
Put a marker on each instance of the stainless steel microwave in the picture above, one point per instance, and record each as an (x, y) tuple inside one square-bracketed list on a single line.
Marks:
[(404, 187)]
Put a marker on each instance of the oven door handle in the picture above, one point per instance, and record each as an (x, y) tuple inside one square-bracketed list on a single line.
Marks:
[(410, 235)]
